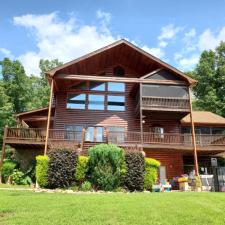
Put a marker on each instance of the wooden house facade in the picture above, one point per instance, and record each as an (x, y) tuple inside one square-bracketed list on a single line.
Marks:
[(121, 95)]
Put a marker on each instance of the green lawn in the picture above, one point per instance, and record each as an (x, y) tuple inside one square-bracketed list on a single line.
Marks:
[(26, 207)]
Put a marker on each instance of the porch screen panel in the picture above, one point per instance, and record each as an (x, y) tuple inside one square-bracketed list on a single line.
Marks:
[(173, 91)]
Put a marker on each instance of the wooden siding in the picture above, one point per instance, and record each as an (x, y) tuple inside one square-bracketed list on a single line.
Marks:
[(64, 116), (173, 161)]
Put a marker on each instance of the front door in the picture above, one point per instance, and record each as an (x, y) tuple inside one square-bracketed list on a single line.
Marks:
[(94, 134)]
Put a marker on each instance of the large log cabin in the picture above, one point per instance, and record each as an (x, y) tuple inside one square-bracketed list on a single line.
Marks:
[(121, 94)]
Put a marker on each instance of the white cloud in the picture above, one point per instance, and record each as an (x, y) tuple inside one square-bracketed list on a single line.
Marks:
[(163, 44), (189, 62), (208, 40), (169, 32), (104, 15), (64, 40), (191, 33), (6, 52), (157, 52), (67, 40)]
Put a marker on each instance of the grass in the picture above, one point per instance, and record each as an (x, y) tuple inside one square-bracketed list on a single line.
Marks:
[(14, 186), (24, 207)]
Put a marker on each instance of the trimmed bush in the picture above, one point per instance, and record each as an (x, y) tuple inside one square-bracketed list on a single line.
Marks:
[(61, 170), (7, 169), (42, 170), (106, 166), (134, 179), (151, 172), (81, 169)]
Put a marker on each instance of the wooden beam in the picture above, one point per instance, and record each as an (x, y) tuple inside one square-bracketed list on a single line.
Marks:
[(117, 79), (193, 135), (3, 149), (141, 116), (49, 117)]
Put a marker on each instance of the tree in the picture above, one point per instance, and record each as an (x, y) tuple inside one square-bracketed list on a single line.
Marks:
[(43, 88), (15, 83), (6, 111), (210, 73)]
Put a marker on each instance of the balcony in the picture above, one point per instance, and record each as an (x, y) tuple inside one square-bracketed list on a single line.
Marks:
[(32, 136), (165, 104)]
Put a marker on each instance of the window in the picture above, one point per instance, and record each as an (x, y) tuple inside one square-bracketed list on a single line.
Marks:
[(96, 102), (118, 71), (97, 86), (218, 130), (116, 87), (76, 101), (116, 103), (116, 134), (74, 132), (80, 86), (94, 134), (157, 131)]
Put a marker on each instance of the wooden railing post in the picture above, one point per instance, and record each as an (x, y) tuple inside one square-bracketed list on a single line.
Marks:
[(3, 148), (49, 117), (141, 117), (193, 135)]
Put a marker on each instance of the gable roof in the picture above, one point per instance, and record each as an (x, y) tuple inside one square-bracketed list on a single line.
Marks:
[(161, 63), (204, 117)]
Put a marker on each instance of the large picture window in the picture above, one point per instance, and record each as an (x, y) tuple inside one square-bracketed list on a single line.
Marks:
[(76, 101), (97, 86), (96, 102), (93, 95), (116, 87), (116, 103)]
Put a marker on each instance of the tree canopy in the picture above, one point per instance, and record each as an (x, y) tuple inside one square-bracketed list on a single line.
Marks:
[(210, 73), (20, 92)]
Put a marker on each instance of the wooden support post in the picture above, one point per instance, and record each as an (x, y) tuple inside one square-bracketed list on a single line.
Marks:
[(107, 135), (83, 138), (141, 116), (49, 117), (3, 149), (193, 135)]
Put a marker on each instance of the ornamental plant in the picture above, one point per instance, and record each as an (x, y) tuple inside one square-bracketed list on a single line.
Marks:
[(81, 169), (7, 169), (134, 179), (42, 163), (106, 166), (151, 172), (61, 169)]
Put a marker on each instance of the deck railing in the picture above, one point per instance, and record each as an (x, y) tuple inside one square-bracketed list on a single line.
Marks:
[(179, 104), (36, 134), (166, 138)]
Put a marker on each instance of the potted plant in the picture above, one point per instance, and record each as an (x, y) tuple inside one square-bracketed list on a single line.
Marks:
[(183, 183)]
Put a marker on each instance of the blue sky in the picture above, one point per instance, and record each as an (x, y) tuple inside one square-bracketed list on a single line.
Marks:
[(175, 31)]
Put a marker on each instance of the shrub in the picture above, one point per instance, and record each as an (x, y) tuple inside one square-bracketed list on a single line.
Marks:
[(134, 180), (30, 172), (19, 178), (42, 170), (7, 169), (106, 166), (81, 168), (86, 186), (151, 173), (61, 170)]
